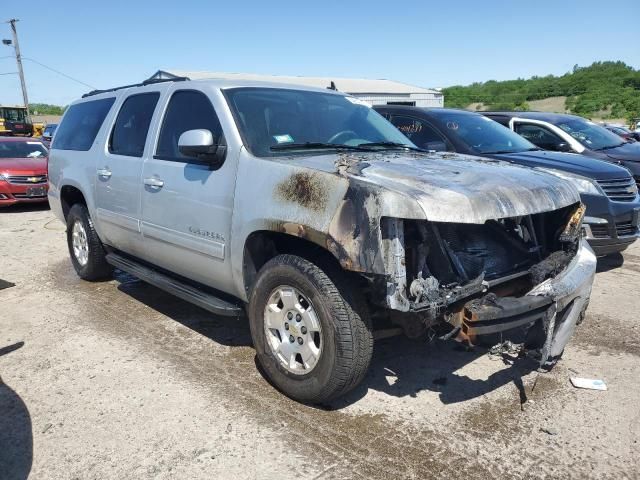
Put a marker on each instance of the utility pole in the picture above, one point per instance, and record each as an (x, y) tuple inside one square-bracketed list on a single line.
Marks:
[(16, 46)]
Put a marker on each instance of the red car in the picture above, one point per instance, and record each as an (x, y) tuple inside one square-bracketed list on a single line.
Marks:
[(23, 171)]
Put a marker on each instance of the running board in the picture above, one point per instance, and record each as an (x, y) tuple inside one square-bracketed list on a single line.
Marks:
[(191, 294)]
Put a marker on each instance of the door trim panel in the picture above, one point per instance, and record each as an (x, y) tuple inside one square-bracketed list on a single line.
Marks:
[(186, 241), (122, 221)]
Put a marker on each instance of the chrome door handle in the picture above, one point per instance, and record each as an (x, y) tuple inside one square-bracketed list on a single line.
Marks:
[(104, 172), (153, 182)]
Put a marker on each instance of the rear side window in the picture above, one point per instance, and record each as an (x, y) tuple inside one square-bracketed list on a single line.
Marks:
[(132, 125), (81, 123), (187, 110)]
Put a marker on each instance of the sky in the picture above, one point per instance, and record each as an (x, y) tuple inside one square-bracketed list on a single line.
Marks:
[(424, 43)]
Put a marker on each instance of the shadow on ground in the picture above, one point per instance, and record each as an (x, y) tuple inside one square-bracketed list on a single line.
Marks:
[(25, 207), (403, 367), (610, 262), (16, 439), (400, 367), (229, 331)]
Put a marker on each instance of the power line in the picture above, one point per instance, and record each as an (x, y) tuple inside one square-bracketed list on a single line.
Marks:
[(60, 73), (9, 73)]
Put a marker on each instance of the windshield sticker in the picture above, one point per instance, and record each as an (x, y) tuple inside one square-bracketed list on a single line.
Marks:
[(357, 101), (452, 126), (283, 138)]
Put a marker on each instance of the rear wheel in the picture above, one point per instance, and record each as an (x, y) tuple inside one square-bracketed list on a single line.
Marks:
[(85, 248), (311, 339)]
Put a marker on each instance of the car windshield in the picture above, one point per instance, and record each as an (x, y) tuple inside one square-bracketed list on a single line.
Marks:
[(592, 136), (271, 120), (14, 114), (22, 150), (482, 135)]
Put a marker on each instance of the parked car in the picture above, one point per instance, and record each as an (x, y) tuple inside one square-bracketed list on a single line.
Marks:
[(49, 130), (622, 132), (570, 133), (310, 210), (23, 171), (608, 191)]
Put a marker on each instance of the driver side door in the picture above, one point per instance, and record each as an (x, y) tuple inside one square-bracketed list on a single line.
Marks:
[(187, 205)]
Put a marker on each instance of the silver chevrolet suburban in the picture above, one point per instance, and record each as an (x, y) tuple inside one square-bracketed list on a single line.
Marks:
[(309, 210)]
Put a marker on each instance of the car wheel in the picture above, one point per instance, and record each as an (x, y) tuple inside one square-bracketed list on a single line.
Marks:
[(85, 248), (312, 335)]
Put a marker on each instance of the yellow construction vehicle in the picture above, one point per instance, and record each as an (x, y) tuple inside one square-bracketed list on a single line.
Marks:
[(14, 120)]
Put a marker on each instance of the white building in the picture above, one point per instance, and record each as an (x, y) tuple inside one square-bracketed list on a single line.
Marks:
[(376, 92)]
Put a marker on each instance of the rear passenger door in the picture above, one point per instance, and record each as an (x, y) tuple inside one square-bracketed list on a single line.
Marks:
[(118, 173), (186, 205)]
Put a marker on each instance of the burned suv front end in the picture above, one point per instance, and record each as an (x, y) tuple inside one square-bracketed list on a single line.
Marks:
[(527, 275)]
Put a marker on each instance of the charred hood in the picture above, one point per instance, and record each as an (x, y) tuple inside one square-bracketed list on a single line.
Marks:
[(451, 187)]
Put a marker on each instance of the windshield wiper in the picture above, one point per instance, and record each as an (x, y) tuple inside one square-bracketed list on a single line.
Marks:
[(390, 145), (609, 147), (316, 146), (499, 152)]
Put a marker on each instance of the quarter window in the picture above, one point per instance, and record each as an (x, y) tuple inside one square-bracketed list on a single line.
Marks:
[(187, 110), (132, 125), (81, 124)]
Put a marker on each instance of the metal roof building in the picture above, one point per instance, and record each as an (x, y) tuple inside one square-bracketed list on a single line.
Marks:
[(376, 92)]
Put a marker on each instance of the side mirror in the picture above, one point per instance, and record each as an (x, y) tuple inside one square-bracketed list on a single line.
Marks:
[(200, 144), (435, 146), (564, 147)]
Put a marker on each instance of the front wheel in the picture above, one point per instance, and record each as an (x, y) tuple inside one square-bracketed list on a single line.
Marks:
[(85, 248), (312, 338)]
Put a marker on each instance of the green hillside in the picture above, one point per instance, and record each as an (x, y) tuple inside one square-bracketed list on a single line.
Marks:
[(46, 109), (602, 90)]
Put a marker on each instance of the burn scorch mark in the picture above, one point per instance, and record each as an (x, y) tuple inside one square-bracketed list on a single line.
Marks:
[(304, 188)]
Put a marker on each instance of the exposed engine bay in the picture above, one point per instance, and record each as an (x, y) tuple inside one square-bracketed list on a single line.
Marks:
[(476, 277)]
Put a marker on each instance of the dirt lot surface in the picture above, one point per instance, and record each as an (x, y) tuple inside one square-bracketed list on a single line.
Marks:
[(119, 380)]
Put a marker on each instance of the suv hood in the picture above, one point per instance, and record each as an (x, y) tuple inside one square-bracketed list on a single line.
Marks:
[(450, 187), (629, 152), (567, 162)]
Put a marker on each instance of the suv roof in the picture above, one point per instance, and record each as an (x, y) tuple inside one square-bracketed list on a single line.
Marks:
[(544, 116), (218, 83)]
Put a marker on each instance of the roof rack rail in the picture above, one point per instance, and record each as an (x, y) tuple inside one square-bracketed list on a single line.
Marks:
[(149, 81)]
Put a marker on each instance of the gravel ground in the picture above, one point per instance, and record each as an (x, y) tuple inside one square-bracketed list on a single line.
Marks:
[(120, 380)]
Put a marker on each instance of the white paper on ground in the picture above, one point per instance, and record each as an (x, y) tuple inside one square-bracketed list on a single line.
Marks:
[(589, 383)]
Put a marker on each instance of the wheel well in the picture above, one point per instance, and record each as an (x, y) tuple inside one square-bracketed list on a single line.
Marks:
[(69, 196), (262, 246)]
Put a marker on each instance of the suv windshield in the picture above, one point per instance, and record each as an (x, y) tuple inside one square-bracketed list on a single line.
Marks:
[(591, 135), (483, 135), (269, 119), (22, 150)]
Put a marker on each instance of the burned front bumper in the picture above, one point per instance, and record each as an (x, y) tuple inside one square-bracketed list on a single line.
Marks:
[(555, 306)]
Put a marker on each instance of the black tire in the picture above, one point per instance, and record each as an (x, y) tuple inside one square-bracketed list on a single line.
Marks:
[(96, 267), (347, 339)]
